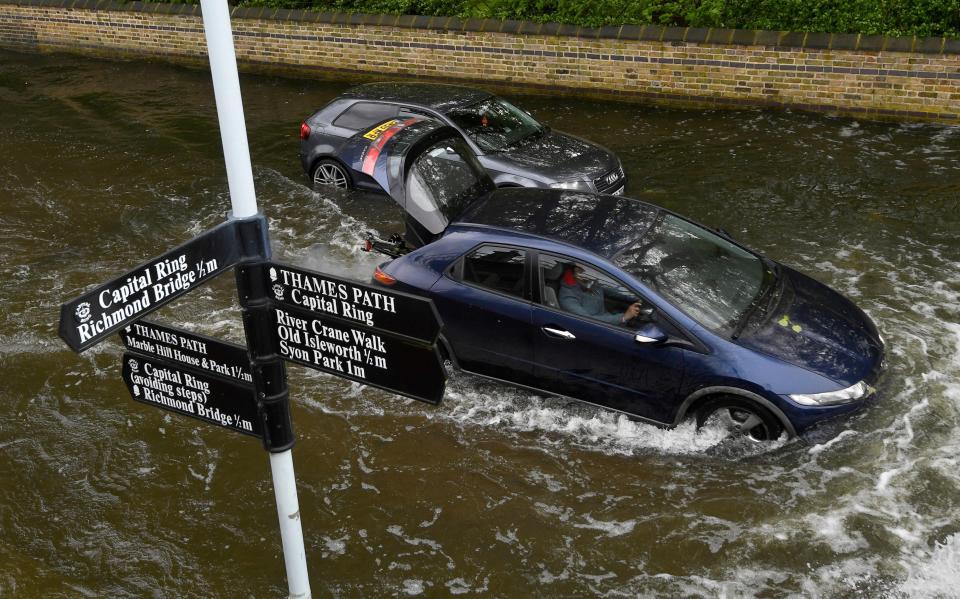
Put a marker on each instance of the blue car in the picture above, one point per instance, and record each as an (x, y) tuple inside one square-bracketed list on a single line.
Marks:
[(615, 301)]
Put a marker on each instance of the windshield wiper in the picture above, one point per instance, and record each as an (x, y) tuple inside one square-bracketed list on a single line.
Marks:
[(538, 132), (771, 276)]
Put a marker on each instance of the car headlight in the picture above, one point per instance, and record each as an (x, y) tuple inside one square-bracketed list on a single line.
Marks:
[(831, 398), (574, 185)]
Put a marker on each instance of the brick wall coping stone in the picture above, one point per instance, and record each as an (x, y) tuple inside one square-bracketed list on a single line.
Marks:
[(656, 33)]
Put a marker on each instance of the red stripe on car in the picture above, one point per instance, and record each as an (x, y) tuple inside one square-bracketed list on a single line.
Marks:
[(373, 152)]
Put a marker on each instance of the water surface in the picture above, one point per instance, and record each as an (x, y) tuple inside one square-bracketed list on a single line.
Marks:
[(497, 492)]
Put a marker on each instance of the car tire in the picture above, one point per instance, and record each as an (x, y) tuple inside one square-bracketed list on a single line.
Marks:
[(330, 173), (740, 416)]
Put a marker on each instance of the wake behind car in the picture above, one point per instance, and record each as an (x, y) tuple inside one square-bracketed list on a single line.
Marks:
[(616, 301), (515, 149)]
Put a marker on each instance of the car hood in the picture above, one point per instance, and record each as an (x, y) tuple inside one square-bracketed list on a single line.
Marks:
[(558, 156), (816, 328)]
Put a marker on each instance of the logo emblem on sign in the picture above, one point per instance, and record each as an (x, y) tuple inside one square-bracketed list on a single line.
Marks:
[(82, 313), (273, 274), (278, 292), (134, 365)]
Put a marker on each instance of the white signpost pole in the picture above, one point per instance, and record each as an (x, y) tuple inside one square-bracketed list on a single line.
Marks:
[(233, 132)]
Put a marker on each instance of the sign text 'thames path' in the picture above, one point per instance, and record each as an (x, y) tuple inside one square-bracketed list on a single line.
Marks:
[(204, 353), (96, 314), (383, 309)]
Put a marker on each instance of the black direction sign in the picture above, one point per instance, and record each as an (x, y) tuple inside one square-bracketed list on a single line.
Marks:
[(358, 303), (366, 356), (96, 314), (190, 392), (189, 349)]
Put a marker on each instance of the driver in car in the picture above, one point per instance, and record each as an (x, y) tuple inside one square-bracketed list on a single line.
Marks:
[(582, 296)]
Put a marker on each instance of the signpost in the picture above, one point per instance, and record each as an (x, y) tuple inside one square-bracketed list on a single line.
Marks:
[(95, 315), (192, 393), (367, 334), (189, 349), (356, 303), (360, 354)]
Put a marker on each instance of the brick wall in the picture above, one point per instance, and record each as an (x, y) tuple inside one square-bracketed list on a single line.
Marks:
[(872, 76)]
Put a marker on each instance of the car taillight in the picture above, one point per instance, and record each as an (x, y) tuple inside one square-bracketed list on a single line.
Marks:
[(367, 245), (383, 277), (304, 130)]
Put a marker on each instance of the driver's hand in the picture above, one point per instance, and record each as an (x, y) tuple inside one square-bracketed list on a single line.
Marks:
[(632, 312)]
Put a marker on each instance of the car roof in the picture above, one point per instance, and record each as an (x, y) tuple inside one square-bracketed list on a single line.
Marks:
[(602, 224), (437, 96)]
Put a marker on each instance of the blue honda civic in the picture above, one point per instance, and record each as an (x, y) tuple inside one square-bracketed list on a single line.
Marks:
[(613, 300)]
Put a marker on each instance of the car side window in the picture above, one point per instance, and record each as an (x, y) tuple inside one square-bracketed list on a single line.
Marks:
[(582, 290), (364, 115), (497, 268)]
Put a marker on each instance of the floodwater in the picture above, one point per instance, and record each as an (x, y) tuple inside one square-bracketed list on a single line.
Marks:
[(497, 492)]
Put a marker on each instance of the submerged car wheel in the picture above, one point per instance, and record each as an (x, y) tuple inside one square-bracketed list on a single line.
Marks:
[(740, 416), (331, 173)]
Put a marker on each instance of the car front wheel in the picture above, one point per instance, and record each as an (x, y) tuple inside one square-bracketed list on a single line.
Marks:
[(740, 416), (331, 173)]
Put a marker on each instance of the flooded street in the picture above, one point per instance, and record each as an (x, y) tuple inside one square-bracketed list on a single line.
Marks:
[(497, 492)]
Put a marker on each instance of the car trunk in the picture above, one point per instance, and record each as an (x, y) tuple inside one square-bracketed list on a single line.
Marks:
[(428, 169)]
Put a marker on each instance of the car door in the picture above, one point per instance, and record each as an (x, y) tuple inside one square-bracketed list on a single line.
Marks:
[(601, 362), (484, 303)]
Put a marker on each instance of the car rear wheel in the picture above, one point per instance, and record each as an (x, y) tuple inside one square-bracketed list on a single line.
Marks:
[(740, 416), (331, 173)]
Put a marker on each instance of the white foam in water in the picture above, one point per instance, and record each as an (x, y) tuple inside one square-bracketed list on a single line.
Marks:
[(824, 446), (851, 131), (335, 546), (612, 528), (413, 587), (585, 426), (830, 528), (936, 574)]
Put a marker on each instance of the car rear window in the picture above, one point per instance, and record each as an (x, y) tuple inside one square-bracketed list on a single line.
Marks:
[(363, 115), (443, 180), (496, 268)]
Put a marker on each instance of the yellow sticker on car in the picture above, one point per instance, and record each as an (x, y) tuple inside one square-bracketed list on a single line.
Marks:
[(376, 131)]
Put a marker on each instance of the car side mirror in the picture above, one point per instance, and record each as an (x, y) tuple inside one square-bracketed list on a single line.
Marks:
[(646, 314), (650, 334)]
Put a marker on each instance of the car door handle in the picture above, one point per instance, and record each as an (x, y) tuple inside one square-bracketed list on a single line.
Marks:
[(558, 333)]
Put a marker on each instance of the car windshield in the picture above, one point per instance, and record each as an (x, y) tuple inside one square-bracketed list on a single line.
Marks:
[(711, 279), (495, 124), (442, 182)]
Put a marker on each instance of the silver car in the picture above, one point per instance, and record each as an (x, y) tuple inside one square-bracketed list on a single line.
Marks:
[(512, 146)]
